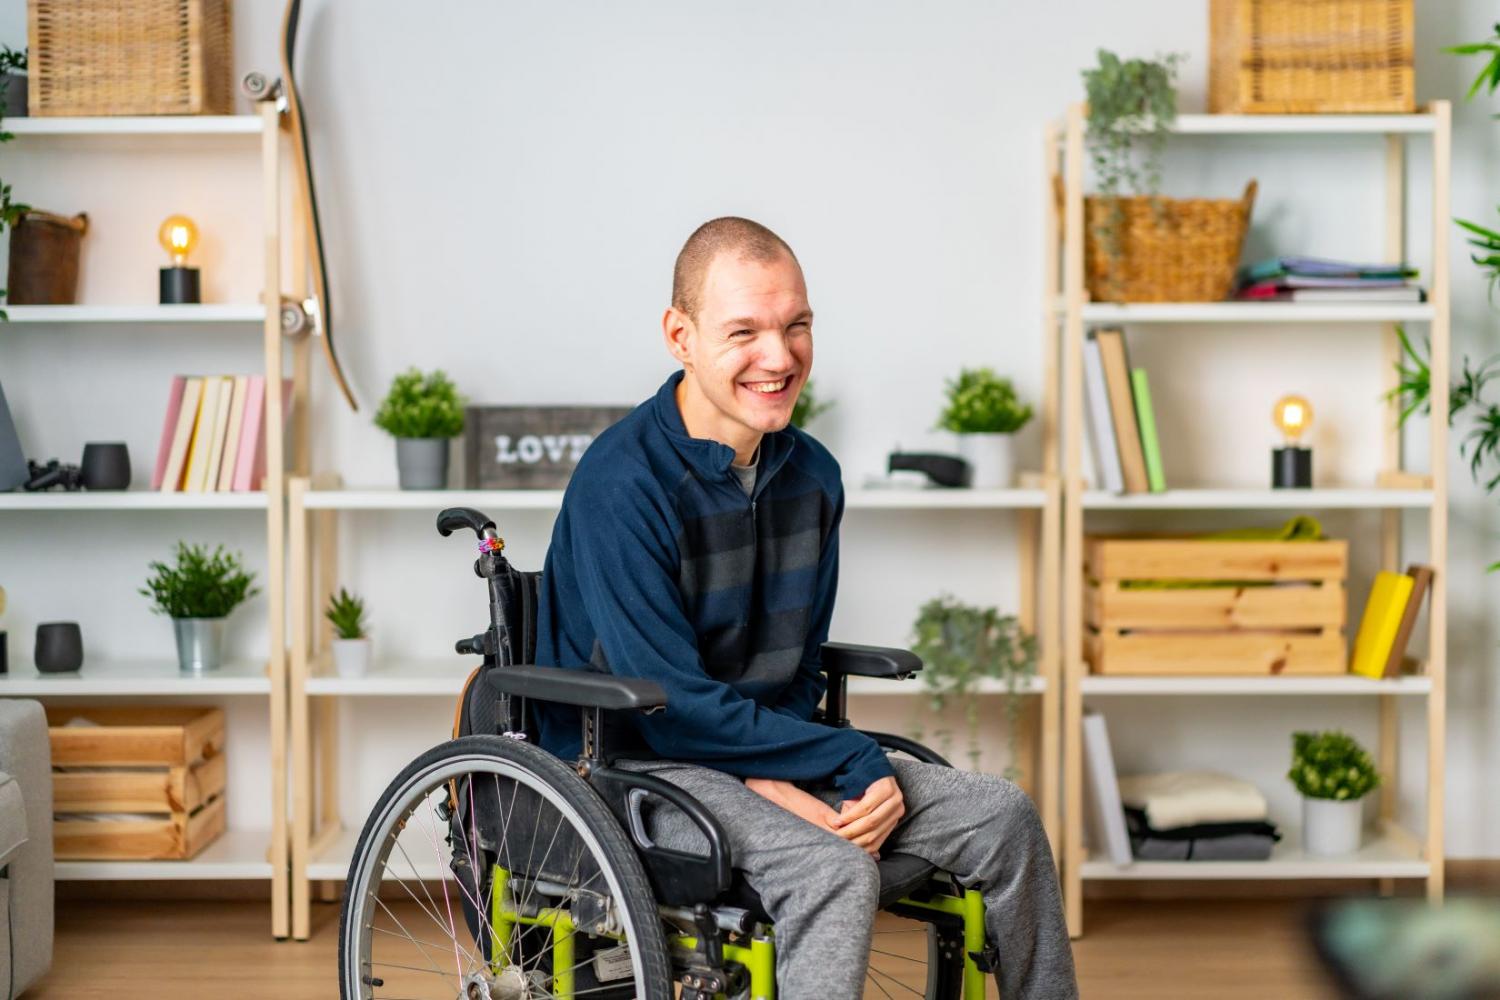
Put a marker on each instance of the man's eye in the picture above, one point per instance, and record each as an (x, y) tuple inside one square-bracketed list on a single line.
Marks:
[(801, 325), (742, 333)]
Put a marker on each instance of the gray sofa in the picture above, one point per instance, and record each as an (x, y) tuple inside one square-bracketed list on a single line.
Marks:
[(25, 846)]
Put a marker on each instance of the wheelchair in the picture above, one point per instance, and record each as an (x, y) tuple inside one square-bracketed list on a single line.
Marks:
[(492, 870)]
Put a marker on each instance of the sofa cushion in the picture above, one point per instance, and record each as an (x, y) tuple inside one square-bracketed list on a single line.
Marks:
[(12, 819)]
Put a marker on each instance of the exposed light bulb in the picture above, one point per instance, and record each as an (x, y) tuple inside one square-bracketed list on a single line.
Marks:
[(178, 235), (1292, 415)]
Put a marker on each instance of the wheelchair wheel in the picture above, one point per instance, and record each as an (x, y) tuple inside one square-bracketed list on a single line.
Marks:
[(489, 870), (910, 957)]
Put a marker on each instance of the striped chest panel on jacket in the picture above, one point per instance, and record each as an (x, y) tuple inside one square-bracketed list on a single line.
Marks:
[(748, 573)]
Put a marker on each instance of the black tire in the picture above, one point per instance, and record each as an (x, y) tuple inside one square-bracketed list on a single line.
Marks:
[(552, 788), (922, 956)]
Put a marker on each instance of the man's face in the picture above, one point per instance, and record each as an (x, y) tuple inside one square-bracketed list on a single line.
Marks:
[(749, 351)]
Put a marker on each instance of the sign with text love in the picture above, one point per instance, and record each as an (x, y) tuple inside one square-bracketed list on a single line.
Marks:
[(529, 447)]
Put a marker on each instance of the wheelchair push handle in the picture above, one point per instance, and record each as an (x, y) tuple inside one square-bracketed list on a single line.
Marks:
[(452, 519)]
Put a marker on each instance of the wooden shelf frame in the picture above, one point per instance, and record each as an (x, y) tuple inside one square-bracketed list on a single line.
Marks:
[(1396, 853), (321, 845)]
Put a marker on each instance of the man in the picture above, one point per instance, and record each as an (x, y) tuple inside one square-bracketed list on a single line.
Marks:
[(698, 546)]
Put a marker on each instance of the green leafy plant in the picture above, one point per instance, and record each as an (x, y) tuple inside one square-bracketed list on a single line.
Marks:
[(1331, 765), (981, 402), (421, 406), (961, 645), (10, 211), (1132, 105), (808, 406), (199, 584), (347, 613)]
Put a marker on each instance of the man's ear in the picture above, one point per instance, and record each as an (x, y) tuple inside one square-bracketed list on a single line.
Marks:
[(677, 329)]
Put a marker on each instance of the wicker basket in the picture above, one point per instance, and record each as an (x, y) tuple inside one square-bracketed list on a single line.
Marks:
[(1310, 56), (129, 57), (1169, 249), (44, 253)]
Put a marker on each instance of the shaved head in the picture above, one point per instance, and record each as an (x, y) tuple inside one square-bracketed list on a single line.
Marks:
[(745, 239)]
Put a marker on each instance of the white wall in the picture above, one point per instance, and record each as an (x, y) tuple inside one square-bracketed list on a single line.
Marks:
[(505, 186)]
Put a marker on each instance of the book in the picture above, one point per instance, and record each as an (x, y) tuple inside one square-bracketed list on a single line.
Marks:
[(1106, 813), (1122, 409), (216, 434), (1146, 417), (232, 434), (1382, 619), (1421, 577), (195, 477), (1396, 293), (1322, 267), (255, 402), (1096, 406), (168, 430), (187, 420)]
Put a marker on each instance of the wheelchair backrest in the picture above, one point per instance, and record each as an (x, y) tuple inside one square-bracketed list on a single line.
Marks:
[(478, 710)]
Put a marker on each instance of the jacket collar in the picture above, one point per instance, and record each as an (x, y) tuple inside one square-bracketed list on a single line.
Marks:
[(708, 458)]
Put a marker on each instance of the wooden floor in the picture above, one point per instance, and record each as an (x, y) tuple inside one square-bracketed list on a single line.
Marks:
[(1133, 951)]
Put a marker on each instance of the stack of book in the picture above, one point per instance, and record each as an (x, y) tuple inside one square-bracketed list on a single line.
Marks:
[(1390, 615), (1121, 419), (1315, 279), (213, 437)]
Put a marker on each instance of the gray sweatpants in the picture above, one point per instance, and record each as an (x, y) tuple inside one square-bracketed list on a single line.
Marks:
[(822, 891)]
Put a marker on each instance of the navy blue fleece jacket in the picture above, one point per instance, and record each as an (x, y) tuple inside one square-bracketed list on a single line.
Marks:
[(661, 567)]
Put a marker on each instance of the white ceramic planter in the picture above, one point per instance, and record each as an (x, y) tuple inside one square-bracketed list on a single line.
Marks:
[(992, 457), (1331, 827), (351, 657)]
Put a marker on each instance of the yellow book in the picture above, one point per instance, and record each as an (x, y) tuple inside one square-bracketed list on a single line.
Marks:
[(1377, 629), (196, 478)]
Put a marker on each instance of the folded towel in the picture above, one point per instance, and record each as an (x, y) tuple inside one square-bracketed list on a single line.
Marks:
[(1183, 798)]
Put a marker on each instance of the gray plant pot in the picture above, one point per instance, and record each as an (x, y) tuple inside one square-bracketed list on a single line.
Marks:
[(15, 95), (200, 643), (422, 463)]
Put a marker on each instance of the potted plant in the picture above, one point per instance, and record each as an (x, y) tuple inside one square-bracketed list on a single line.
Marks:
[(984, 411), (961, 645), (351, 643), (198, 591), (1333, 773), (13, 82), (808, 407), (422, 412)]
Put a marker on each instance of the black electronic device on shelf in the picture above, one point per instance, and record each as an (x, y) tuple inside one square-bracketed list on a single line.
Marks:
[(943, 470)]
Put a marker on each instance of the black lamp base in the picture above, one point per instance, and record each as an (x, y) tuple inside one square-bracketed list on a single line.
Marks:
[(179, 286), (1291, 468)]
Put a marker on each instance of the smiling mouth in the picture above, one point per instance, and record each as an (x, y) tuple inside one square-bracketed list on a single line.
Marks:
[(771, 390)]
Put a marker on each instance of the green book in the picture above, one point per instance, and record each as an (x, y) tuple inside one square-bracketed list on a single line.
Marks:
[(1146, 417)]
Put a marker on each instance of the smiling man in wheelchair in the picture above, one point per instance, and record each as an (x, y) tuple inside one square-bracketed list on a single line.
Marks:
[(713, 828)]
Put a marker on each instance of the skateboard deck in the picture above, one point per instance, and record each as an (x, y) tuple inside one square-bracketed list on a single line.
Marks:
[(309, 199)]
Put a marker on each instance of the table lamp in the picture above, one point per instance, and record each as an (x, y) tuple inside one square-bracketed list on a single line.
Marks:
[(1291, 464), (179, 283)]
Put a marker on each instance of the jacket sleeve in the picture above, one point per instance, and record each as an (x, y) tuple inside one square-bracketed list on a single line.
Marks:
[(809, 685), (624, 551)]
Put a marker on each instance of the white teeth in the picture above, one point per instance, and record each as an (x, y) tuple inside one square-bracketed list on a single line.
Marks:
[(767, 387)]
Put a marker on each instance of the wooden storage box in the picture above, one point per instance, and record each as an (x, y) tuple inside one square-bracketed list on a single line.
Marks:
[(129, 57), (1310, 56), (167, 762), (1248, 607)]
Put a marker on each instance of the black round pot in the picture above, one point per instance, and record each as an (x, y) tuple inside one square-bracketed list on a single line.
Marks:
[(105, 466), (59, 647)]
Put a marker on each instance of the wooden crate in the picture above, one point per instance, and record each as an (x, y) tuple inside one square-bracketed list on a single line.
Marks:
[(164, 761), (1310, 56), (1254, 607)]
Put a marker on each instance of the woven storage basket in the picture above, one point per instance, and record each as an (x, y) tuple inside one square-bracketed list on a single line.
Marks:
[(1170, 249), (1310, 56), (129, 57)]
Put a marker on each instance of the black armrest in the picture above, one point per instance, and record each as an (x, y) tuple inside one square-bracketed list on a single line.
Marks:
[(577, 687), (869, 661)]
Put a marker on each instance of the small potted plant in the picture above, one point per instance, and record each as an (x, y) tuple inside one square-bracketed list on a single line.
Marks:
[(984, 411), (422, 412), (1333, 773), (808, 406), (13, 82), (197, 592), (351, 643), (961, 645)]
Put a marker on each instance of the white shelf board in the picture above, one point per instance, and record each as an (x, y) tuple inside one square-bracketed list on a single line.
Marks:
[(135, 677), (1253, 312), (913, 687), (1261, 499), (136, 125), (1411, 124), (400, 678), (1334, 685), (237, 854), (1380, 857), (132, 500), (332, 863), (141, 313), (487, 500)]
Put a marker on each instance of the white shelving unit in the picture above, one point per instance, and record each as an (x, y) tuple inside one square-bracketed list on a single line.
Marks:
[(258, 850), (551, 500), (1390, 851)]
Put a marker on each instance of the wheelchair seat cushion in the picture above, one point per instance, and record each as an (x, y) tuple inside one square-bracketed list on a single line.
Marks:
[(900, 875)]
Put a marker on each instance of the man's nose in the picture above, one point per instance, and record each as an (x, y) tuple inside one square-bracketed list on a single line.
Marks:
[(776, 355)]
